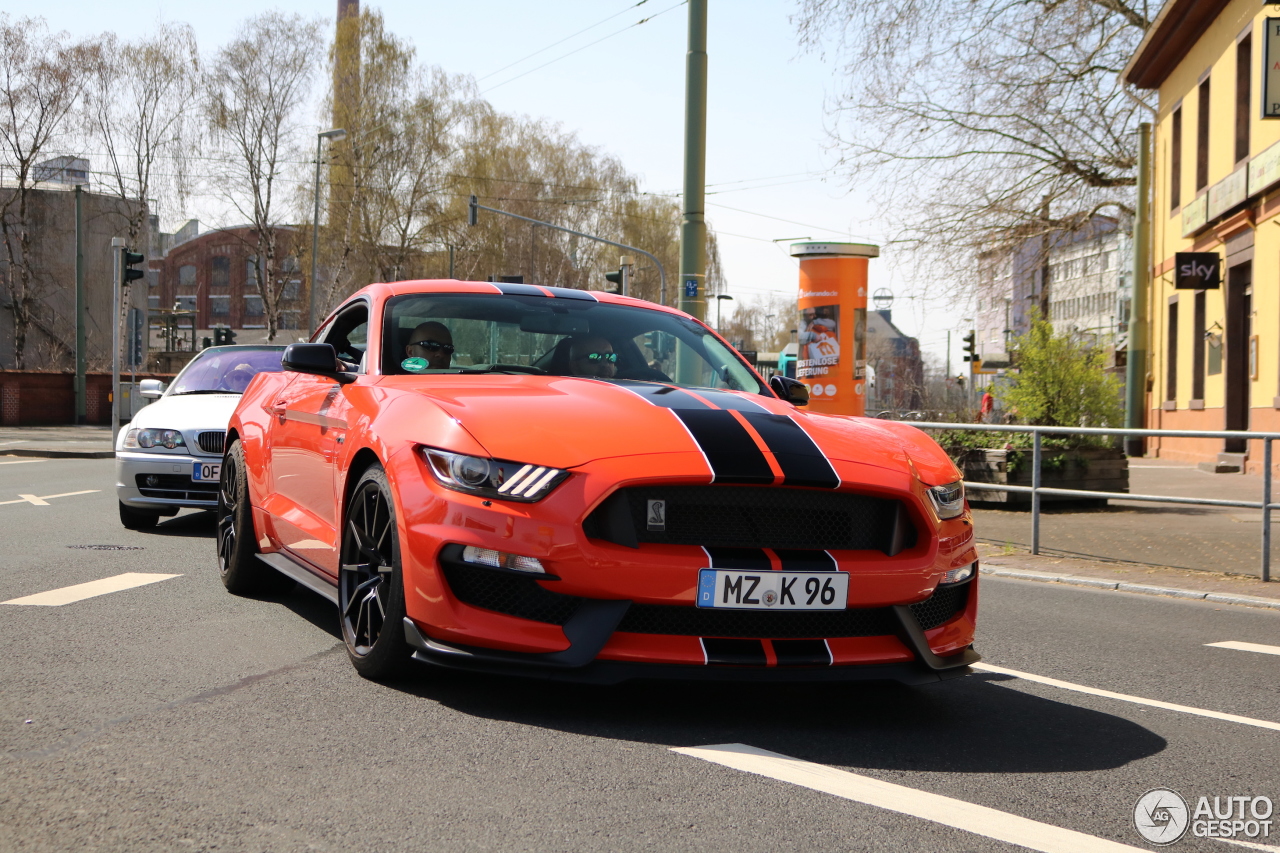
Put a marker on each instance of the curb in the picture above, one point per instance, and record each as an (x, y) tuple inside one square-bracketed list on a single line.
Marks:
[(57, 454), (1142, 589)]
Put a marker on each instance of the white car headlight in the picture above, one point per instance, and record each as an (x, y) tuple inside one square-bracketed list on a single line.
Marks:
[(149, 438), (948, 500), (492, 478)]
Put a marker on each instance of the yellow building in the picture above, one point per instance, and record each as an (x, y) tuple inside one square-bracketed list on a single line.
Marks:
[(1214, 353)]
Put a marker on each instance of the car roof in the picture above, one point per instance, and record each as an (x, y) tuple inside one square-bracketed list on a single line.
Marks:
[(385, 290)]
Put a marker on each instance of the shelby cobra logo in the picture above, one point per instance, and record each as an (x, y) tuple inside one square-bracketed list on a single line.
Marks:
[(657, 517)]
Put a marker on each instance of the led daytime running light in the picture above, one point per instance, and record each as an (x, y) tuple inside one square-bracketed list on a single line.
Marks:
[(495, 478), (961, 574)]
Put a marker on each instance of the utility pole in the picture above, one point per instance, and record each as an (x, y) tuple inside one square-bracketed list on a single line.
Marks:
[(1135, 373), (81, 395), (693, 228), (117, 275)]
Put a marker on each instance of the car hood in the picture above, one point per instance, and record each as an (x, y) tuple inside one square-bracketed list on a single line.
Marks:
[(191, 413), (565, 422)]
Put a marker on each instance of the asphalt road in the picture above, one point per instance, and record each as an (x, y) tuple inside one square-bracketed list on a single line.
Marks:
[(174, 716)]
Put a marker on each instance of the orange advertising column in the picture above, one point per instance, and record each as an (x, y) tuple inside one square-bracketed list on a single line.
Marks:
[(832, 360)]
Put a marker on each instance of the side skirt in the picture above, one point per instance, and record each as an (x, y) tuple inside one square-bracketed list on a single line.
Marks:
[(312, 581)]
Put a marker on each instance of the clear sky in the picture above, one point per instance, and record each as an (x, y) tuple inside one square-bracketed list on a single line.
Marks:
[(769, 159)]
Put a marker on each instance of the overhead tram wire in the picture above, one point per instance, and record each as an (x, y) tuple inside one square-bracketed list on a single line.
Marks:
[(584, 47), (562, 41)]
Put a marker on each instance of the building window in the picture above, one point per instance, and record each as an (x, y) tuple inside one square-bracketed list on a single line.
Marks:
[(252, 307), (1202, 137), (1197, 348), (1175, 162), (1244, 77), (220, 275), (1171, 357), (251, 276), (220, 306)]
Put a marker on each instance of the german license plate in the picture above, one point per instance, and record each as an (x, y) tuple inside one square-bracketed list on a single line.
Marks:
[(733, 589), (206, 470)]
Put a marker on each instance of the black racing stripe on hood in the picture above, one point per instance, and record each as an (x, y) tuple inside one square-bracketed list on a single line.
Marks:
[(751, 559), (726, 400), (801, 460), (806, 561), (729, 448), (665, 396)]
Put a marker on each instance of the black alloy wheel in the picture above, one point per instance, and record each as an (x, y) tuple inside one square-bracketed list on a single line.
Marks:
[(370, 588), (241, 570)]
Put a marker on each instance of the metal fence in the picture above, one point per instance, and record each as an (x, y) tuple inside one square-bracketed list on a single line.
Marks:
[(1036, 490)]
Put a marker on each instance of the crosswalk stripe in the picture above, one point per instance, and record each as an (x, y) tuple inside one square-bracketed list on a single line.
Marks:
[(81, 591), (970, 817), (1246, 647)]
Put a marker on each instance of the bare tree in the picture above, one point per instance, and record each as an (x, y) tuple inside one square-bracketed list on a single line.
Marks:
[(140, 103), (42, 77), (985, 122), (254, 93)]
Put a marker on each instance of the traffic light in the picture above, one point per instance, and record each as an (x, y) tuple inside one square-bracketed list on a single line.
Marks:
[(129, 259), (970, 346), (616, 279), (473, 211), (222, 336), (622, 277)]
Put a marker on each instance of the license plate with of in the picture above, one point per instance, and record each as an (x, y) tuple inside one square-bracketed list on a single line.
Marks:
[(736, 589), (206, 470)]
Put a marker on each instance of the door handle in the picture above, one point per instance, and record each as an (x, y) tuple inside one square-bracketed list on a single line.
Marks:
[(277, 408)]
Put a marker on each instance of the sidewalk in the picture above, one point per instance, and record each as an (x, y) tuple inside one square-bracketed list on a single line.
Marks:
[(57, 442), (1220, 539), (1129, 577)]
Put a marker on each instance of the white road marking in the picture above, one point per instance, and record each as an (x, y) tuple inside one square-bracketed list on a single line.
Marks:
[(1246, 647), (23, 461), (980, 820), (81, 591), (41, 501), (1124, 697), (1252, 845)]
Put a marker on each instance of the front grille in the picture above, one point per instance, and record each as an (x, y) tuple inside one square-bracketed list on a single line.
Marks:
[(946, 603), (509, 594), (754, 517), (176, 487), (212, 442)]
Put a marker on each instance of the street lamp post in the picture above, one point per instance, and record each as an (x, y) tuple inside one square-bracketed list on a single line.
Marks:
[(720, 298), (336, 135)]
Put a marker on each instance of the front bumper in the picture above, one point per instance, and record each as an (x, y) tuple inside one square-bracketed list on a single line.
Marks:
[(592, 627), (175, 487)]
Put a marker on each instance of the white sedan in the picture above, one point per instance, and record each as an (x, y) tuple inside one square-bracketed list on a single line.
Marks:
[(170, 455)]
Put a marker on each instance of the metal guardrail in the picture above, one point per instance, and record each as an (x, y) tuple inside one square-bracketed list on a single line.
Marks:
[(1036, 490)]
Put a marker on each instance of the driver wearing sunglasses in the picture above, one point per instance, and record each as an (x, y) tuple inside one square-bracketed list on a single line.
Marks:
[(593, 356), (433, 342)]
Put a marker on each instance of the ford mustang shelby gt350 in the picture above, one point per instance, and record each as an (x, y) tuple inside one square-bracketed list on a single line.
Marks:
[(579, 485)]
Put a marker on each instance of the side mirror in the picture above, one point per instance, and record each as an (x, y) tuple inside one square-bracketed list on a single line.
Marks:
[(317, 359), (792, 390), (151, 388)]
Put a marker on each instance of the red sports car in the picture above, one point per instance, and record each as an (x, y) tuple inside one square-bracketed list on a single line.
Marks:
[(579, 485)]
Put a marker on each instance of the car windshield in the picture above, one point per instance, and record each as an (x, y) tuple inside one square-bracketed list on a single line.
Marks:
[(226, 370), (480, 333)]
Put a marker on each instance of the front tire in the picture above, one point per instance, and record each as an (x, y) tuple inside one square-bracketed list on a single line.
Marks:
[(370, 585), (242, 572)]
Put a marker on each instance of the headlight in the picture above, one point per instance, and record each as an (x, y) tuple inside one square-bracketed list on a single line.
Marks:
[(148, 438), (492, 478), (948, 500)]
